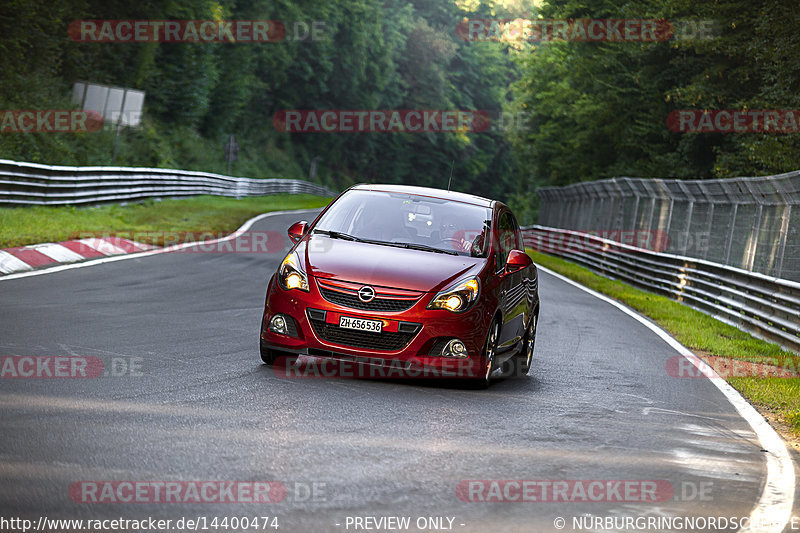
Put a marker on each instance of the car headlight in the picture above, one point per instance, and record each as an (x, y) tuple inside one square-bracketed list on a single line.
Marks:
[(291, 275), (459, 297)]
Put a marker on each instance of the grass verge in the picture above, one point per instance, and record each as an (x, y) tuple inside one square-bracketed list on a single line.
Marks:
[(776, 397), (20, 226)]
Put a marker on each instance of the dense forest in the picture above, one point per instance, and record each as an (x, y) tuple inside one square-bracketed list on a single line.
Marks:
[(601, 109), (561, 111)]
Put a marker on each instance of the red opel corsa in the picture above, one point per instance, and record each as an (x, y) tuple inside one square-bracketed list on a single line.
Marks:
[(421, 281)]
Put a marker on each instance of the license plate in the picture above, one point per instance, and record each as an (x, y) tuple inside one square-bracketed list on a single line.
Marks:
[(360, 324)]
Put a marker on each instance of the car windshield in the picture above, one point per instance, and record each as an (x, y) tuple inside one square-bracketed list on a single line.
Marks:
[(418, 222)]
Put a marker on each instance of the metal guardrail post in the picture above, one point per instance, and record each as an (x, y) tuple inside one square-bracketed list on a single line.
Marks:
[(668, 223), (615, 218), (562, 212), (587, 207), (784, 231), (635, 215), (652, 195), (580, 208), (690, 196), (660, 216), (784, 235), (708, 198), (752, 242), (733, 199)]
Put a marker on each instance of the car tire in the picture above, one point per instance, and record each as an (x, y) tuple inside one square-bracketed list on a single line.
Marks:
[(270, 356), (488, 356), (523, 360)]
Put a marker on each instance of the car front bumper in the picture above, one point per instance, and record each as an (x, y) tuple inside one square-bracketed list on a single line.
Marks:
[(315, 318)]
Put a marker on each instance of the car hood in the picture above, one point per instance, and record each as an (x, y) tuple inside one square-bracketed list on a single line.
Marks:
[(385, 266)]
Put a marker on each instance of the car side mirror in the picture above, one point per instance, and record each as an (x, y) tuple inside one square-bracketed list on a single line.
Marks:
[(517, 260), (297, 230)]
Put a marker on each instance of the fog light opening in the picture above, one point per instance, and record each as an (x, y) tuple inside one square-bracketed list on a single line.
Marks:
[(455, 348), (278, 325)]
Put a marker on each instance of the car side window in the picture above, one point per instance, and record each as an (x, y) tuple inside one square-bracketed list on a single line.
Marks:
[(520, 245), (506, 231)]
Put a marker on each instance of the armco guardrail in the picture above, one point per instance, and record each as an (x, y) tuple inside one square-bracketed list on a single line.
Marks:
[(34, 184), (765, 306)]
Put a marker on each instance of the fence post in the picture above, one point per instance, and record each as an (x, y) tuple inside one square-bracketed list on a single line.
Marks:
[(652, 194), (635, 209), (562, 213), (689, 214), (704, 190), (616, 222), (752, 243), (784, 231), (582, 202), (787, 213)]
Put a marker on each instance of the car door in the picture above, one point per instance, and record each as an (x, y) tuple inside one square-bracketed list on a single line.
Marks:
[(512, 290), (529, 280)]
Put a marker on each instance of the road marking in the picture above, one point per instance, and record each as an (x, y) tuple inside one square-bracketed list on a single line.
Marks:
[(774, 508), (246, 226)]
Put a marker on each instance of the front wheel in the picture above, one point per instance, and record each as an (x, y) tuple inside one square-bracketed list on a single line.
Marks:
[(489, 351), (270, 356), (523, 360)]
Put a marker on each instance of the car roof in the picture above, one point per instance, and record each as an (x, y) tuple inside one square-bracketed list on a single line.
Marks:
[(427, 191)]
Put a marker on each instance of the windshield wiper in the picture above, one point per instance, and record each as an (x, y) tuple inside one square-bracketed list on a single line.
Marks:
[(423, 247), (338, 235), (408, 245)]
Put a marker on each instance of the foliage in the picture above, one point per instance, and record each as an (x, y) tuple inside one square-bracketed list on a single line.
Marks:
[(591, 110), (370, 54), (599, 109)]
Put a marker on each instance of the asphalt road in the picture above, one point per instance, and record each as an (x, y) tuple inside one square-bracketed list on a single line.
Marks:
[(599, 404)]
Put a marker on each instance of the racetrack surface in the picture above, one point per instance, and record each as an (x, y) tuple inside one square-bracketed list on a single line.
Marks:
[(599, 404)]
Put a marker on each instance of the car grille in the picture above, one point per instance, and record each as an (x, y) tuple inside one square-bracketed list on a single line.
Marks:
[(345, 293), (387, 340), (350, 299)]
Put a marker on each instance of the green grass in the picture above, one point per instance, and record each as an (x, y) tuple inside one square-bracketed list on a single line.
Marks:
[(778, 396), (705, 336), (201, 214)]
